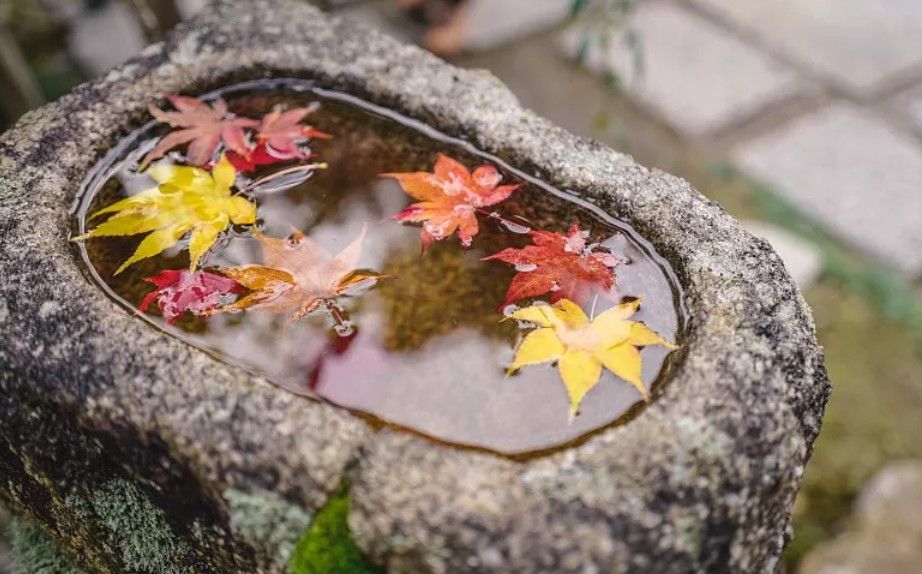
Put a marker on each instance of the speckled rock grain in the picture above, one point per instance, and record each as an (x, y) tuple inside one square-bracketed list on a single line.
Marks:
[(702, 480)]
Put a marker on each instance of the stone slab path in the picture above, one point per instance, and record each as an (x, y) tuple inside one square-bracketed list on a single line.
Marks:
[(737, 73), (694, 74), (858, 45), (859, 177)]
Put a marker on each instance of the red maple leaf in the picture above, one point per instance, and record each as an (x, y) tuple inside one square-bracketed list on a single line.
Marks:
[(180, 290), (259, 156), (279, 139), (449, 198), (281, 132), (203, 127), (559, 264)]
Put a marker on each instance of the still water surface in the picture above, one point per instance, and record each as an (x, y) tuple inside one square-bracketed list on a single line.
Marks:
[(428, 350)]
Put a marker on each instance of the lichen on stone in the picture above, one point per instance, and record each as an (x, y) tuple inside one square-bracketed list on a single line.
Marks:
[(136, 528), (35, 553), (267, 522), (328, 547)]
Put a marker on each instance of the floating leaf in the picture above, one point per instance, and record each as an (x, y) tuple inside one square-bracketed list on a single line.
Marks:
[(559, 264), (582, 347), (449, 198), (298, 275), (180, 290), (259, 156), (279, 139), (282, 133), (203, 127), (185, 199)]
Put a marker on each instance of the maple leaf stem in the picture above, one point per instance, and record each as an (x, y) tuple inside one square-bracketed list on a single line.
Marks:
[(509, 224), (295, 169), (336, 312), (592, 310), (343, 327)]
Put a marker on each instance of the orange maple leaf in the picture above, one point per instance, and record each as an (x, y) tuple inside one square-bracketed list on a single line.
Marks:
[(298, 275), (203, 127), (559, 264), (449, 198)]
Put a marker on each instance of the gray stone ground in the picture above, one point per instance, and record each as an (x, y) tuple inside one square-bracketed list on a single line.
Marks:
[(860, 177), (694, 74), (863, 48), (820, 99)]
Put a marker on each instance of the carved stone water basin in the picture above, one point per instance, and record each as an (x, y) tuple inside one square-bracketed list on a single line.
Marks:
[(212, 443)]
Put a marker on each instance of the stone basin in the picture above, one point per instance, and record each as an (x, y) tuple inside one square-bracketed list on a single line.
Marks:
[(136, 452)]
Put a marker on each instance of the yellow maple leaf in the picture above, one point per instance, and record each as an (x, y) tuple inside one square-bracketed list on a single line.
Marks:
[(298, 275), (582, 347), (186, 199)]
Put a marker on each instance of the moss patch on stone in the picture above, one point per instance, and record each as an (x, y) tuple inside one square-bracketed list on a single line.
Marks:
[(35, 553), (136, 528), (328, 546), (267, 522)]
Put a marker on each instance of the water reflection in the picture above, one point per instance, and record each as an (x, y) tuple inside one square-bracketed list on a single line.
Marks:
[(429, 351)]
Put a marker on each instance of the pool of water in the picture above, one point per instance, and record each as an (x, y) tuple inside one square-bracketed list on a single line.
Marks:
[(425, 349)]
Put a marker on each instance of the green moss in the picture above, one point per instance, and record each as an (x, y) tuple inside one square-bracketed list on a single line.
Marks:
[(35, 553), (135, 527), (266, 522), (328, 546)]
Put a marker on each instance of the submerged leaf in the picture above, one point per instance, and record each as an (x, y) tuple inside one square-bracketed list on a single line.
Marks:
[(203, 127), (180, 290), (449, 198), (298, 275), (186, 199), (582, 347), (559, 264)]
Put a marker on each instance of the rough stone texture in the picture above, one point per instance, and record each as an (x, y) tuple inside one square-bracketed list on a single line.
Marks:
[(803, 260), (886, 530), (695, 75), (100, 414), (852, 173), (858, 45)]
